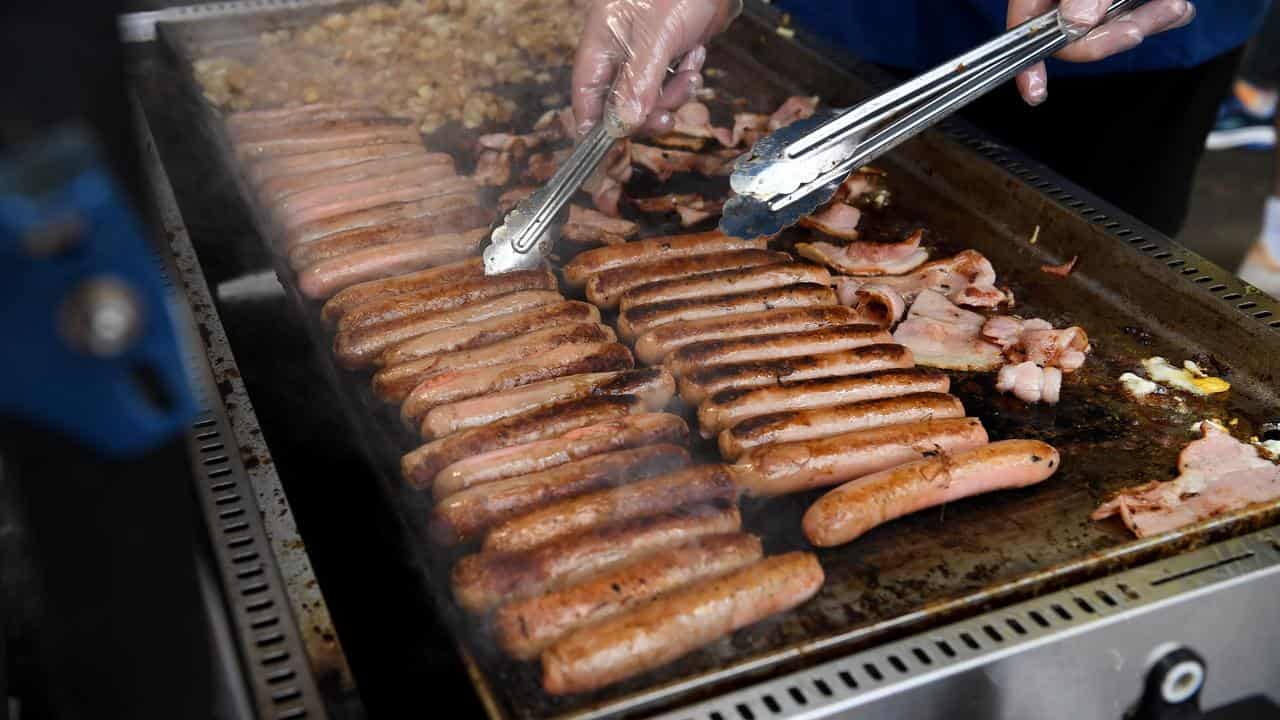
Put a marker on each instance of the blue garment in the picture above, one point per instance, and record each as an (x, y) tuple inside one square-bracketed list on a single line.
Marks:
[(919, 34)]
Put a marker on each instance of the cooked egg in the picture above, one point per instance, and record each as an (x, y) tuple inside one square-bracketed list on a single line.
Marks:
[(1138, 387), (1189, 377)]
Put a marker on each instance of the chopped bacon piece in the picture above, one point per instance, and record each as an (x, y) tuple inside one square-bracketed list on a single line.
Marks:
[(693, 119), (542, 165), (664, 163), (680, 142), (589, 227), (747, 129), (1031, 383), (944, 336), (517, 145), (1037, 341), (559, 122), (605, 185), (493, 168), (512, 197), (879, 305), (966, 278), (692, 207), (795, 108), (863, 187), (1218, 475), (1062, 270), (868, 258), (837, 220)]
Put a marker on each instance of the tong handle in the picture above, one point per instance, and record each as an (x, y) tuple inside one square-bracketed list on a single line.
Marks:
[(574, 171)]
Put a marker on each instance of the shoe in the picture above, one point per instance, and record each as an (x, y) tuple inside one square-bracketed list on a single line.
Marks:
[(1261, 270), (1236, 127)]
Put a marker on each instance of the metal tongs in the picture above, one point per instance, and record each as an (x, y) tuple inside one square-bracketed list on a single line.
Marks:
[(793, 171)]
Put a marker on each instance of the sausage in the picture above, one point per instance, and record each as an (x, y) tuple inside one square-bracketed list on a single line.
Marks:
[(423, 463), (457, 193), (641, 319), (649, 497), (656, 344), (445, 297), (852, 509), (797, 466), (729, 407), (438, 184), (392, 384), (773, 346), (482, 582), (629, 432), (824, 422), (558, 362), (701, 384), (244, 131), (268, 168), (467, 217), (592, 262), (467, 327), (761, 277), (243, 120), (654, 387), (606, 288), (343, 302), (526, 627), (677, 623), (468, 513), (290, 209), (285, 186), (380, 131), (328, 277)]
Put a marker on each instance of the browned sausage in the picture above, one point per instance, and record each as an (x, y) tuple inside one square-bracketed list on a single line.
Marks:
[(650, 497), (852, 509), (467, 217), (637, 320), (484, 581), (723, 282), (678, 623), (824, 422), (328, 277), (606, 288), (278, 188), (655, 345), (467, 327), (550, 422), (592, 262), (653, 386), (244, 120), (402, 193), (392, 384), (379, 131), (628, 432), (527, 627), (464, 515), (343, 302), (730, 407), (773, 346), (292, 210), (797, 466), (445, 296), (701, 384), (455, 193), (557, 362), (269, 168)]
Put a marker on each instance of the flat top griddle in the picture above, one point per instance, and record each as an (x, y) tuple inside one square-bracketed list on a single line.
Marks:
[(1135, 292)]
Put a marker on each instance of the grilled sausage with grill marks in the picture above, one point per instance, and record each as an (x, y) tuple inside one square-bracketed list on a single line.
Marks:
[(467, 327), (558, 362), (393, 384), (286, 186), (446, 196), (267, 169), (852, 509), (701, 384), (729, 407), (629, 432), (484, 581), (328, 277), (527, 627), (677, 623), (401, 232), (761, 277), (648, 497), (655, 345), (541, 424), (796, 425), (641, 319), (606, 289), (808, 464), (366, 192), (592, 262), (465, 514), (773, 346), (653, 386), (347, 299), (445, 297)]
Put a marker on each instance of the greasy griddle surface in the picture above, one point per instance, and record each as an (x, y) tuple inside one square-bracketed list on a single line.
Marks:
[(941, 562)]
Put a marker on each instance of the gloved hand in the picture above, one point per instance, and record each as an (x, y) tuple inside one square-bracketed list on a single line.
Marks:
[(1123, 33), (627, 45)]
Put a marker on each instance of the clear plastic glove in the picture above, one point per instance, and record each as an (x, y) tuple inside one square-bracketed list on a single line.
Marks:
[(1100, 41), (621, 69)]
